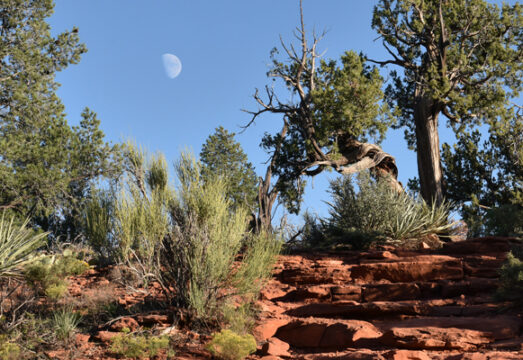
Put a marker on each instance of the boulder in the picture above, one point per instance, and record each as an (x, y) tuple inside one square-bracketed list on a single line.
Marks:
[(275, 347)]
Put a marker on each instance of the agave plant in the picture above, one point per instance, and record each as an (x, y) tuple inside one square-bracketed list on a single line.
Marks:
[(17, 246)]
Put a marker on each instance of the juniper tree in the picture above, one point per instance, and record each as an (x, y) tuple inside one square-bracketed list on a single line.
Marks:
[(332, 109), (459, 58)]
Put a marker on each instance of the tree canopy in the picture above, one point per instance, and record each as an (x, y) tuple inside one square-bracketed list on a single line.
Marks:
[(45, 164), (222, 156), (459, 58), (338, 108)]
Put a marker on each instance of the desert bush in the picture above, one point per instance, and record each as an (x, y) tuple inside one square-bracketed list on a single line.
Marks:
[(137, 347), (17, 246), (206, 238), (98, 216), (47, 275), (373, 214), (228, 345), (141, 220), (511, 278)]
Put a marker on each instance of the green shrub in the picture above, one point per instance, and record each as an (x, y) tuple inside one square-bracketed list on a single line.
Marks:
[(376, 213), (141, 210), (206, 238), (228, 345), (129, 346), (47, 275), (511, 280), (17, 246), (56, 291), (65, 323), (8, 350), (98, 223)]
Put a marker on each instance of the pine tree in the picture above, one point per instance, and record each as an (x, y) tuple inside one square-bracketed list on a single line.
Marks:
[(223, 156), (46, 165)]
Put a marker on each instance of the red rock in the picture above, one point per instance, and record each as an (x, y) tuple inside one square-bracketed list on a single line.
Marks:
[(127, 322), (273, 290), (153, 319), (485, 245), (434, 338), (397, 291), (106, 336), (82, 340), (58, 354), (422, 268), (268, 328), (407, 355), (346, 292), (276, 347), (270, 357), (501, 326), (319, 333)]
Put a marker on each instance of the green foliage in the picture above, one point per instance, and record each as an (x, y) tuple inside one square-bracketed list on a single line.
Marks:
[(65, 323), (228, 345), (17, 246), (375, 213), (222, 156), (46, 166), (98, 217), (486, 180), (511, 279), (8, 350), (47, 274), (340, 100), (141, 209), (138, 347), (56, 291), (466, 59), (206, 238)]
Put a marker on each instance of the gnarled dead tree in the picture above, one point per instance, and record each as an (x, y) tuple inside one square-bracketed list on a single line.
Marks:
[(339, 105)]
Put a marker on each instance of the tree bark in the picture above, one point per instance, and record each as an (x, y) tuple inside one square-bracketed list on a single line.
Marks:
[(428, 152)]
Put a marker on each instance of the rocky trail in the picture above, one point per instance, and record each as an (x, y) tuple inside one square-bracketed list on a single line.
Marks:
[(390, 304)]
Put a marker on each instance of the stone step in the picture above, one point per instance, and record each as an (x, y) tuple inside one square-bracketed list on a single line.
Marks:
[(379, 309), (464, 334), (384, 292)]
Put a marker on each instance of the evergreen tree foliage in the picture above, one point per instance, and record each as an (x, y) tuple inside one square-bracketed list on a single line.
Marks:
[(486, 179), (459, 58), (330, 110), (222, 156), (46, 166)]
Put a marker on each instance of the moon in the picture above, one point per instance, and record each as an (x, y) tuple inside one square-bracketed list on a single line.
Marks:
[(172, 65)]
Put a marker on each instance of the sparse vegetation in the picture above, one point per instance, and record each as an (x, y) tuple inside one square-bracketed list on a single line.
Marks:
[(138, 346), (228, 345)]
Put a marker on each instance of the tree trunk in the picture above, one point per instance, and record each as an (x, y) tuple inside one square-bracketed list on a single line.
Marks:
[(427, 148)]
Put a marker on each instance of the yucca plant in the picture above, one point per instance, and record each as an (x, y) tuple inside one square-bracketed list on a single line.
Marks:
[(17, 246), (65, 322)]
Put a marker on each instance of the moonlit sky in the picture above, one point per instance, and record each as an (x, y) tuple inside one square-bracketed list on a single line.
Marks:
[(224, 47)]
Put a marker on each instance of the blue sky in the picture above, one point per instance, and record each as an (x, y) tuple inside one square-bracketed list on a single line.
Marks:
[(224, 47)]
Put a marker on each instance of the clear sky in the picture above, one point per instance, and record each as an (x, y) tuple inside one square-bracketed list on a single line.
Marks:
[(224, 48)]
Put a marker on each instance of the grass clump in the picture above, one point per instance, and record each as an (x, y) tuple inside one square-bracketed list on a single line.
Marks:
[(65, 322), (228, 345), (129, 346), (374, 214)]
